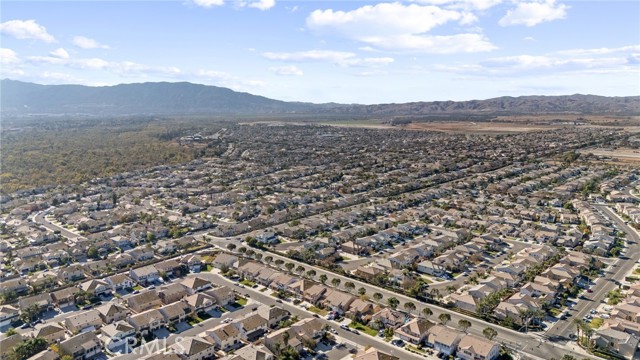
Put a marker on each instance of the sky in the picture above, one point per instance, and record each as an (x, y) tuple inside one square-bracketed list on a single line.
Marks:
[(331, 51)]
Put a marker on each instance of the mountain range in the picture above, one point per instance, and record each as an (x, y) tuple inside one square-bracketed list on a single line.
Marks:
[(183, 98)]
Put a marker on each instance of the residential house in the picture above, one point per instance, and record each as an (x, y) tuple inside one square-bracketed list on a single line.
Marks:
[(119, 282), (252, 327), (196, 284), (337, 301), (225, 336), (415, 331), (619, 342), (472, 347), (175, 312), (253, 352), (147, 322), (51, 332), (8, 314), (83, 321), (443, 339), (273, 315), (388, 318), (112, 312), (116, 335), (144, 301), (223, 295), (374, 354), (194, 348), (65, 297), (96, 287), (172, 293), (145, 275), (82, 346), (200, 302)]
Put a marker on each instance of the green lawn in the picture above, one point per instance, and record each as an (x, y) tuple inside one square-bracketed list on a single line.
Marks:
[(242, 301), (414, 349), (138, 287), (363, 328), (247, 283), (596, 323), (321, 312), (208, 268)]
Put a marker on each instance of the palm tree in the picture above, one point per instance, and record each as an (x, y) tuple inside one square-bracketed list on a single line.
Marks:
[(335, 282), (444, 318), (490, 333), (427, 312), (464, 324), (435, 293), (323, 278), (377, 296), (409, 306), (311, 273)]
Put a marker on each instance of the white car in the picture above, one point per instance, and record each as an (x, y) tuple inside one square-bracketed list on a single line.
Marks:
[(605, 316)]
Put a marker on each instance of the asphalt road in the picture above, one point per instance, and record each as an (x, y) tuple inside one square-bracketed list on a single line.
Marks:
[(531, 344), (620, 268), (40, 219)]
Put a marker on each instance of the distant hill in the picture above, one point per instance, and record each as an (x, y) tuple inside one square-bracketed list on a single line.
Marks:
[(21, 98)]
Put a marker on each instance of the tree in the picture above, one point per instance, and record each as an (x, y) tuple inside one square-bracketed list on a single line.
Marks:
[(300, 269), (27, 315), (393, 302), (409, 306), (258, 256), (10, 332), (362, 291), (335, 282), (279, 262), (490, 333), (444, 318), (323, 278), (242, 249), (427, 312), (464, 324), (231, 247), (268, 259), (28, 348), (349, 285), (311, 273), (92, 252), (377, 296), (289, 266)]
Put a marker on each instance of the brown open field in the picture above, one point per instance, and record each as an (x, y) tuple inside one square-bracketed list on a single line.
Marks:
[(478, 127), (626, 155)]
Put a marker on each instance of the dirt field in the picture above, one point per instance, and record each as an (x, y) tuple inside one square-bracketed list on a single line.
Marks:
[(479, 127), (632, 155)]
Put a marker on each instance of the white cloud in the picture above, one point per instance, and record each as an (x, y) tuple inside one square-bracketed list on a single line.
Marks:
[(290, 70), (262, 4), (221, 78), (208, 3), (8, 56), (600, 51), (26, 29), (400, 27), (587, 61), (463, 4), (440, 44), (87, 43), (340, 58), (381, 20), (532, 13), (60, 53)]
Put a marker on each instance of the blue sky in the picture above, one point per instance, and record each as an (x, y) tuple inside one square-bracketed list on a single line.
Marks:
[(340, 51)]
